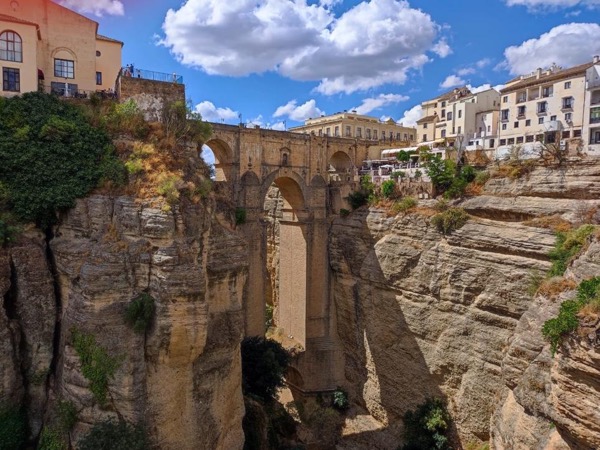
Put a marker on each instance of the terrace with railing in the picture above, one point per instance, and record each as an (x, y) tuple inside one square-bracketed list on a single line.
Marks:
[(132, 72)]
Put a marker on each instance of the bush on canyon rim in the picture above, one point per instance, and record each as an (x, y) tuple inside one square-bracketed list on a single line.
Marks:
[(49, 155)]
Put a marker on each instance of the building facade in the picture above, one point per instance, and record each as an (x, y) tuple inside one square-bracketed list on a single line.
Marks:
[(545, 106), (460, 116), (357, 126), (591, 111), (44, 46)]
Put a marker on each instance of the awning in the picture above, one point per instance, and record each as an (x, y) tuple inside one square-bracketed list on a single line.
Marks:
[(430, 143), (394, 151)]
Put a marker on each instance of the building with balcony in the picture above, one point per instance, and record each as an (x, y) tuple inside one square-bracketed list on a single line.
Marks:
[(546, 106), (460, 116), (591, 111), (44, 46), (357, 126)]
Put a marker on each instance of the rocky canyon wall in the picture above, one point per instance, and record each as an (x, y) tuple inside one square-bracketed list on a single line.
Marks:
[(421, 314), (181, 378)]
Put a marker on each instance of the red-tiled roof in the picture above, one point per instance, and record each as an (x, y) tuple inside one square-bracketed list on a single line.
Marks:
[(547, 77), (16, 20), (106, 38), (427, 119)]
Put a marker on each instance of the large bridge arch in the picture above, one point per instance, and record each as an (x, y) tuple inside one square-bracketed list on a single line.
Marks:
[(224, 159)]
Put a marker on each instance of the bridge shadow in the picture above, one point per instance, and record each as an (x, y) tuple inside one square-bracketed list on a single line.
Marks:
[(386, 372)]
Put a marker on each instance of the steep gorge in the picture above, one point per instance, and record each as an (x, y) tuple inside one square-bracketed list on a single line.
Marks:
[(421, 314)]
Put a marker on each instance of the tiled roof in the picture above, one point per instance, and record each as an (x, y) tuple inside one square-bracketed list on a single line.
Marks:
[(106, 38), (427, 119), (545, 77), (16, 20)]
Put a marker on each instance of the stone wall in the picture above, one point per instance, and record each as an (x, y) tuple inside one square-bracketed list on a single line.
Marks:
[(150, 96)]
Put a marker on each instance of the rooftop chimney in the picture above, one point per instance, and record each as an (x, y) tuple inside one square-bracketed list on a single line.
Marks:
[(538, 73), (596, 59)]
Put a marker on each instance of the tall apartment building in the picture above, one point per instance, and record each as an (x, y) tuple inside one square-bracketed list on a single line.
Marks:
[(46, 46), (352, 125), (591, 110), (544, 106), (460, 115)]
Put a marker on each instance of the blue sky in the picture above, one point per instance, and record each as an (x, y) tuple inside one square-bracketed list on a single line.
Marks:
[(278, 62)]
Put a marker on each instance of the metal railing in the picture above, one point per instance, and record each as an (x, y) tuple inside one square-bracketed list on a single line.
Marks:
[(151, 75), (66, 92)]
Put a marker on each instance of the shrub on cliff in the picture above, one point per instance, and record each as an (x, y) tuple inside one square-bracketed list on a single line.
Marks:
[(115, 435), (364, 195), (13, 427), (139, 313), (449, 220), (567, 247), (427, 427), (264, 363), (49, 156)]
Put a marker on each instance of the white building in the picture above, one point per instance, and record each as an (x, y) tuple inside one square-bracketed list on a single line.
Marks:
[(591, 112)]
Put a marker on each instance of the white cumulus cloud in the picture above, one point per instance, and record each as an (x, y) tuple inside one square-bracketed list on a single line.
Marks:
[(484, 87), (211, 113), (452, 81), (373, 103), (95, 7), (410, 117), (566, 45), (298, 113), (541, 5), (373, 43)]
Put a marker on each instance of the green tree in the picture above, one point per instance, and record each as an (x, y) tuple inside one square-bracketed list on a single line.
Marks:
[(388, 188), (264, 363), (441, 171), (115, 435), (49, 155), (403, 156), (427, 427)]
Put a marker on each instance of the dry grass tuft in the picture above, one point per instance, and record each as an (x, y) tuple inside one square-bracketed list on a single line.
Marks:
[(553, 287), (554, 223)]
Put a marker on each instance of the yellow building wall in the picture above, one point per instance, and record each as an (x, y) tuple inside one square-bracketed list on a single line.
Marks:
[(27, 68), (67, 35), (109, 62)]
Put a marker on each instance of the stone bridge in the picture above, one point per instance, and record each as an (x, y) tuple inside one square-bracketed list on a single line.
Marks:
[(313, 174)]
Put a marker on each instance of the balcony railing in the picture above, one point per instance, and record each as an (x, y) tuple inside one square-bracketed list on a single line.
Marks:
[(67, 92), (151, 75)]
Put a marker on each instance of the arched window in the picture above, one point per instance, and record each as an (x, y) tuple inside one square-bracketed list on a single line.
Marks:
[(11, 47)]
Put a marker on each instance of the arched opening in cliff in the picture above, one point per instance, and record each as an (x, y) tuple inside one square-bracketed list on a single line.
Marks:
[(219, 157), (286, 261)]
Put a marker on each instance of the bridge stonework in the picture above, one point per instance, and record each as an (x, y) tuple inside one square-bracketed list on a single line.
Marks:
[(313, 174)]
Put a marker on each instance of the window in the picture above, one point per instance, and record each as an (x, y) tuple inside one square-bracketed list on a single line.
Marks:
[(503, 126), (566, 134), (320, 132), (405, 137), (520, 140), (11, 47), (98, 78), (443, 106), (511, 141), (443, 133), (459, 130), (348, 132), (502, 141), (424, 138), (410, 136), (528, 122), (541, 121), (595, 115), (424, 125), (576, 133), (552, 118), (459, 113), (596, 138), (449, 116), (529, 138), (547, 91), (521, 97), (358, 132), (568, 117), (443, 113), (492, 143), (542, 107), (336, 131), (504, 114), (328, 131), (11, 79), (375, 134), (567, 85), (567, 103), (505, 99), (521, 110), (516, 124), (368, 130), (64, 68), (398, 136), (98, 53)]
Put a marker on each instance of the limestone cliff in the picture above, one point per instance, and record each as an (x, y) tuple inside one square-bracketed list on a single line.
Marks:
[(421, 314), (181, 378)]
